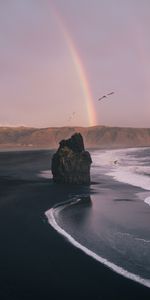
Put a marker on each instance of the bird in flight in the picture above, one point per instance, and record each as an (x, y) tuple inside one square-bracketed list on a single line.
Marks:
[(105, 96), (110, 93)]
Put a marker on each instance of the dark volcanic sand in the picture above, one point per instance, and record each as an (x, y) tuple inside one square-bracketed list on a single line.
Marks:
[(35, 261)]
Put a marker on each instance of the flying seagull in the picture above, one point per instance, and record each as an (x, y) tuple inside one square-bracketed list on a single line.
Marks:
[(110, 93), (105, 96)]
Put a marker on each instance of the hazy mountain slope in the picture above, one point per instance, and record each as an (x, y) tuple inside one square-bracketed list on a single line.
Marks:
[(97, 136)]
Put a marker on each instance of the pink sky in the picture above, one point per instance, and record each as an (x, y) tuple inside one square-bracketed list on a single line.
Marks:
[(40, 85)]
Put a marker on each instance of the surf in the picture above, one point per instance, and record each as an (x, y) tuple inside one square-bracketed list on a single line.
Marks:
[(130, 167), (50, 214)]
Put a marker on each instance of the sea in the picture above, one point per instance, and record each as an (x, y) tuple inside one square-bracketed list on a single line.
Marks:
[(114, 227)]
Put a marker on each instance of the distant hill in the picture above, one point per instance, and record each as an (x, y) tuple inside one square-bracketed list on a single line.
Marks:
[(94, 137)]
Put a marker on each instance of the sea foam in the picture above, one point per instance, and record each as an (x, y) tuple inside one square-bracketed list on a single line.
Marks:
[(50, 214), (147, 200), (46, 174), (128, 175), (125, 166)]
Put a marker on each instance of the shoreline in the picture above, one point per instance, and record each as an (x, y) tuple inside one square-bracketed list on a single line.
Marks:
[(36, 262), (49, 148), (50, 214)]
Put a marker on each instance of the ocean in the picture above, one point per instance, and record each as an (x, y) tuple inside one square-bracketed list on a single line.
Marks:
[(115, 228)]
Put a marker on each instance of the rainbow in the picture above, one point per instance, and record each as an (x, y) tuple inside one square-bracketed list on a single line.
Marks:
[(77, 61)]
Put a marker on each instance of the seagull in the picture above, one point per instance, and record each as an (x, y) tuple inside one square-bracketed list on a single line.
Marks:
[(102, 97), (105, 96), (110, 93)]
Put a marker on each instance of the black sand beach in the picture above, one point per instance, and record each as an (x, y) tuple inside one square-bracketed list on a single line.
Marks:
[(35, 261)]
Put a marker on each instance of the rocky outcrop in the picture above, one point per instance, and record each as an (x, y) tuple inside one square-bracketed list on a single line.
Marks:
[(71, 163)]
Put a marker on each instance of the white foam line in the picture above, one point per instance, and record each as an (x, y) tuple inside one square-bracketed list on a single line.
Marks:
[(46, 174), (132, 236), (126, 176), (147, 200), (52, 221), (143, 240)]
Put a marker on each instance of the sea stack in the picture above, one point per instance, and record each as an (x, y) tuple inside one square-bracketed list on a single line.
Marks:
[(71, 163)]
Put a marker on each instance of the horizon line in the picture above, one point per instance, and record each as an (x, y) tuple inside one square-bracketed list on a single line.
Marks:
[(73, 126)]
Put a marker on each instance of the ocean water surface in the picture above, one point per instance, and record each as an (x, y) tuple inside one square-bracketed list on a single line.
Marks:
[(115, 228)]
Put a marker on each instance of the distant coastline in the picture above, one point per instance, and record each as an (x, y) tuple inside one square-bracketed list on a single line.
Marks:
[(99, 137)]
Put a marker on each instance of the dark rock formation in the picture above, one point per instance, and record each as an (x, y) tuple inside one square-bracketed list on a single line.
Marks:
[(71, 163)]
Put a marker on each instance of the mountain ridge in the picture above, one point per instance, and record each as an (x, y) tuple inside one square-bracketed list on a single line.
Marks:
[(94, 137)]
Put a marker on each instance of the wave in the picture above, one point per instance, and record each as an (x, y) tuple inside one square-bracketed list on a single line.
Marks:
[(129, 166), (117, 164), (127, 175), (147, 200), (126, 165), (50, 214), (132, 236), (45, 174)]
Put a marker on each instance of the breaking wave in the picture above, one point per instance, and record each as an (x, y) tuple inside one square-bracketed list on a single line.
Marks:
[(50, 214)]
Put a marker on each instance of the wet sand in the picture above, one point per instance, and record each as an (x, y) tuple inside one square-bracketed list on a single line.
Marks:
[(35, 261)]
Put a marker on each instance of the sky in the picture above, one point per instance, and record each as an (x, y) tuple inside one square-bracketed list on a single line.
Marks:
[(57, 58)]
